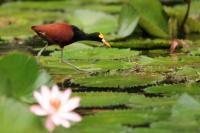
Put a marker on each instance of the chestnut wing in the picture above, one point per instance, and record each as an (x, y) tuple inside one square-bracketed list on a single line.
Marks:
[(57, 33)]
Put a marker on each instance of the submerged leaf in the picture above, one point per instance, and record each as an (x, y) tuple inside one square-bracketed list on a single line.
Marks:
[(128, 21), (100, 22), (152, 19)]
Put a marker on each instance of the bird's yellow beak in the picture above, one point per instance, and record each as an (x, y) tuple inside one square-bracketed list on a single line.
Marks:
[(105, 43)]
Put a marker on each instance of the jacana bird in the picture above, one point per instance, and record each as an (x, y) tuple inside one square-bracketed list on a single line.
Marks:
[(63, 34)]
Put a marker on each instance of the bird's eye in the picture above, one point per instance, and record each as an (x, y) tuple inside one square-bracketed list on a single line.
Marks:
[(101, 36)]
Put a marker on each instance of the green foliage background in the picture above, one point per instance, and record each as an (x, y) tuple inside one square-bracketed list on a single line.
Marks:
[(135, 86)]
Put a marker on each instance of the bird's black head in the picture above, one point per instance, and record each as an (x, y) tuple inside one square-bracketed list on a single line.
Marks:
[(96, 36)]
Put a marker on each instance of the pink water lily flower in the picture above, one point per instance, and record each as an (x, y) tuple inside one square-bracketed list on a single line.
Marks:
[(57, 106)]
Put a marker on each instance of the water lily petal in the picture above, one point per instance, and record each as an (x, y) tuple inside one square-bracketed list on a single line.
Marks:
[(67, 93), (71, 104), (65, 96), (45, 92), (49, 124), (56, 119), (38, 110), (41, 100), (65, 123), (55, 92), (57, 105), (71, 116)]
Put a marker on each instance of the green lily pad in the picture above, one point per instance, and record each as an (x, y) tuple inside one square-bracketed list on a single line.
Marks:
[(36, 5), (77, 51), (175, 89), (63, 5), (142, 44), (13, 112), (140, 101), (18, 24), (185, 109), (85, 128), (21, 75), (118, 80), (195, 52), (189, 73), (101, 99), (128, 116), (119, 119), (186, 105), (169, 63), (56, 67)]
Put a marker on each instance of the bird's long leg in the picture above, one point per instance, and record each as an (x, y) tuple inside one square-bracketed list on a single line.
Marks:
[(40, 52), (68, 63)]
